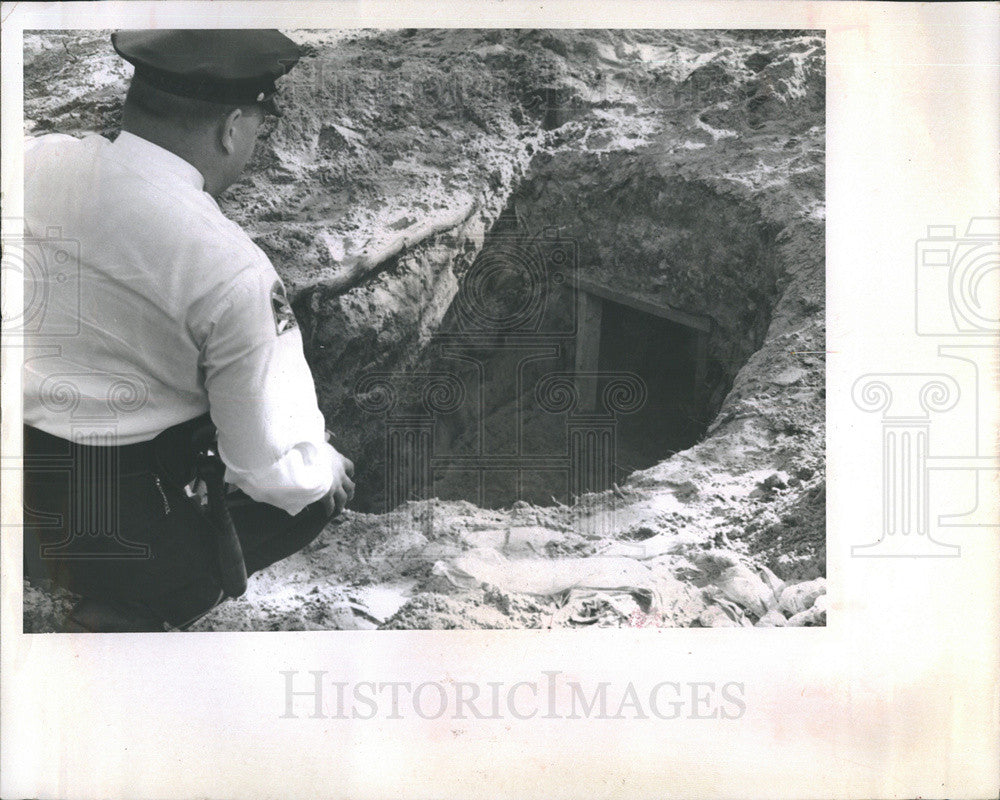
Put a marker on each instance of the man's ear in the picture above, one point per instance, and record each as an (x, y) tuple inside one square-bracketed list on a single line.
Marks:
[(227, 135)]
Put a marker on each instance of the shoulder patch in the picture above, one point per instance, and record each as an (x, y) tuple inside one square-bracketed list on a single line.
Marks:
[(284, 317)]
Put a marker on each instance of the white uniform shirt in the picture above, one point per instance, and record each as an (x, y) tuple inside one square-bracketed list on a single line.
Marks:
[(165, 309)]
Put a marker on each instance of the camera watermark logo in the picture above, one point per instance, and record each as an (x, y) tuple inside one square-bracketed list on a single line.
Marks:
[(958, 280), (958, 302), (48, 267)]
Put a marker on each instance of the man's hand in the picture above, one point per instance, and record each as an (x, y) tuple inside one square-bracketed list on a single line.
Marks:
[(342, 488)]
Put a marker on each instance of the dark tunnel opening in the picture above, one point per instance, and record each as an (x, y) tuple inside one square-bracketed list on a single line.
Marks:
[(664, 355), (502, 414)]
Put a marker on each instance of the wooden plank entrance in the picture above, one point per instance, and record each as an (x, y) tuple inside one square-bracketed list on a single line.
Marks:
[(590, 313)]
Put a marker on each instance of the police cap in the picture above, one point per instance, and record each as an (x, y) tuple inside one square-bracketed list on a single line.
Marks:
[(235, 67)]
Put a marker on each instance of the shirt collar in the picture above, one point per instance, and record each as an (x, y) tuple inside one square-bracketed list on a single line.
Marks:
[(151, 157)]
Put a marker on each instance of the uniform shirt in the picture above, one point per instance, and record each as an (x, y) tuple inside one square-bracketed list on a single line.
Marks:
[(158, 308)]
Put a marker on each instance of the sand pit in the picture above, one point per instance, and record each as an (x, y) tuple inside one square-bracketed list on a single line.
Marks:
[(429, 193)]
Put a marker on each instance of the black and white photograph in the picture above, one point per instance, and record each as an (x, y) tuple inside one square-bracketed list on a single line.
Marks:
[(424, 328), (504, 399)]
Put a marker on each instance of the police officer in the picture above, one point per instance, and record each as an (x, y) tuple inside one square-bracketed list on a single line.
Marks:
[(177, 317)]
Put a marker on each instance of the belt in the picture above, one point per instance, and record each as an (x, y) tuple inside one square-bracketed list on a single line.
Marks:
[(41, 448), (172, 454)]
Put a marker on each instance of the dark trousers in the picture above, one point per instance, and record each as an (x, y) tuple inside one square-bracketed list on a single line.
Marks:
[(115, 524)]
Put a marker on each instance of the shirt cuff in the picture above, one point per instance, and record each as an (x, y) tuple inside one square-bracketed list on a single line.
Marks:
[(300, 477)]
